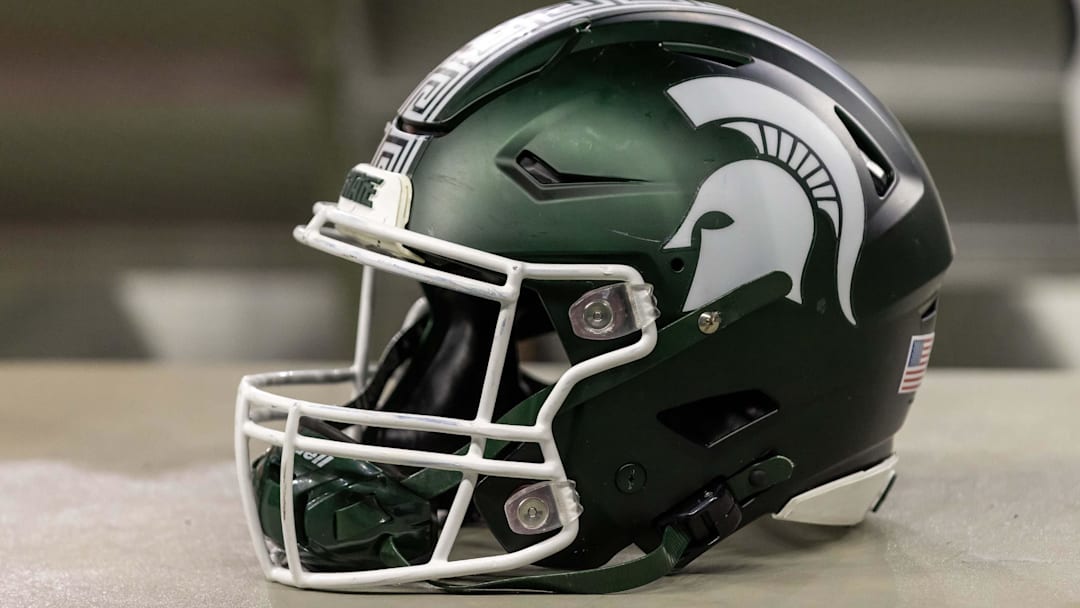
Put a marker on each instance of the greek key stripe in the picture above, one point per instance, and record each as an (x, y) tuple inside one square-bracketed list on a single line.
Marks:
[(399, 150)]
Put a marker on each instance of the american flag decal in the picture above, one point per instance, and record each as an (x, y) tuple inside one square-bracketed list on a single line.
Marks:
[(917, 362)]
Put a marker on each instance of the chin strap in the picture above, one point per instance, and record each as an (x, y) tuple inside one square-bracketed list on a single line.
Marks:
[(648, 568)]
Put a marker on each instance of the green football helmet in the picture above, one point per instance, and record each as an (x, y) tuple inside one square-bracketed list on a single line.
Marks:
[(737, 247)]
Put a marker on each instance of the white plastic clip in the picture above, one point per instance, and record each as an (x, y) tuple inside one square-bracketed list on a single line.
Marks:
[(543, 507), (615, 311)]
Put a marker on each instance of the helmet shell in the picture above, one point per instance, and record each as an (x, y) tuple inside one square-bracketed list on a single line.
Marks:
[(567, 145)]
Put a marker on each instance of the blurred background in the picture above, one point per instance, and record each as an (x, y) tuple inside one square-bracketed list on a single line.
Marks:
[(154, 158)]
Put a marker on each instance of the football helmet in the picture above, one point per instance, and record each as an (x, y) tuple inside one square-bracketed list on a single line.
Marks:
[(737, 247)]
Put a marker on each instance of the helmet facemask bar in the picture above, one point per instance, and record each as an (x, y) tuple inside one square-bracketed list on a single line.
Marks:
[(255, 404)]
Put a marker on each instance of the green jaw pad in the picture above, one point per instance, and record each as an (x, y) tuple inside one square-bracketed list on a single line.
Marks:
[(346, 511)]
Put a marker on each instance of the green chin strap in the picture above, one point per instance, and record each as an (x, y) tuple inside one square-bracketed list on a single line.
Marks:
[(345, 511), (652, 566)]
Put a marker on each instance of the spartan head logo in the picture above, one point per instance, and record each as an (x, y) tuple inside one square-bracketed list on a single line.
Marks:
[(767, 203)]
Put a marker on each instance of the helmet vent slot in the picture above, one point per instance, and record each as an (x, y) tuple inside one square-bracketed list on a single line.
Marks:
[(708, 422), (711, 54), (546, 175), (930, 310), (881, 171)]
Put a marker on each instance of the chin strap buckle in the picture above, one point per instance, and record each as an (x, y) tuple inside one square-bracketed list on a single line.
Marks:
[(706, 519), (713, 513)]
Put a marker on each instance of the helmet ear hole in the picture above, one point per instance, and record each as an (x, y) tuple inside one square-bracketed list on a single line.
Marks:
[(678, 265), (708, 422)]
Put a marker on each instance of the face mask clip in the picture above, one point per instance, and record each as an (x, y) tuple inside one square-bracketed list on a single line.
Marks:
[(614, 311), (543, 507)]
